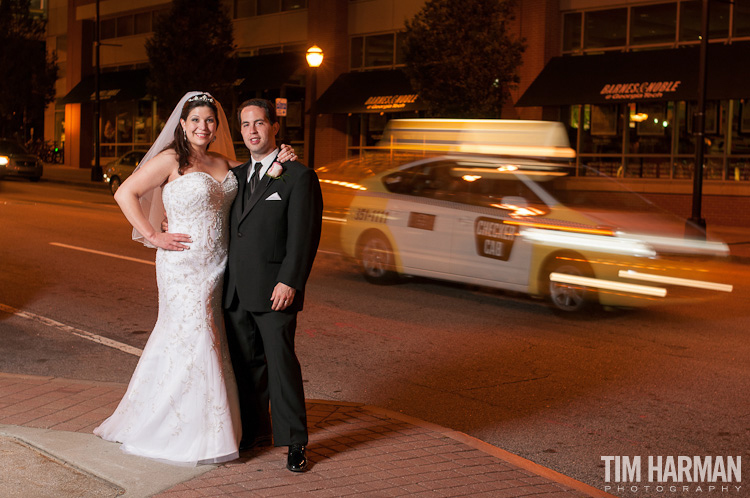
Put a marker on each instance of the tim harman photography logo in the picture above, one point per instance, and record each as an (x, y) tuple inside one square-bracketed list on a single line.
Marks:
[(673, 474)]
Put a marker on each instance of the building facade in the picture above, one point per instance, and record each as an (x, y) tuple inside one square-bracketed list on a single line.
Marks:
[(621, 75)]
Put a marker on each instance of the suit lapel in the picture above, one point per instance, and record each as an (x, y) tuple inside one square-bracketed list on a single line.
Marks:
[(241, 174), (265, 182)]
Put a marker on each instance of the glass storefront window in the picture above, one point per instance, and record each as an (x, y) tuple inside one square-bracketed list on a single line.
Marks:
[(143, 123), (601, 132), (357, 52), (124, 125), (108, 29), (293, 4), (268, 7), (741, 127), (690, 20), (652, 133), (354, 130), (400, 47), (142, 23), (651, 24), (125, 26), (379, 50), (108, 119), (605, 28), (741, 20), (685, 143), (571, 32), (646, 167), (244, 8)]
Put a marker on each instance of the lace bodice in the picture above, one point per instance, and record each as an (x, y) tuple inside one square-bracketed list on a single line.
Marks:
[(198, 205)]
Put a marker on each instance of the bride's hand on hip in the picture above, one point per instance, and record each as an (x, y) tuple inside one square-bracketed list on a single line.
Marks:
[(286, 153), (171, 241)]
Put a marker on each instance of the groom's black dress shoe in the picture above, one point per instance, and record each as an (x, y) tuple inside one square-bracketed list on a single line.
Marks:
[(258, 442), (296, 459)]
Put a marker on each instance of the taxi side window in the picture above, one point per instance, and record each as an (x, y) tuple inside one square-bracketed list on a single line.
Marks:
[(439, 181), (399, 182), (489, 191)]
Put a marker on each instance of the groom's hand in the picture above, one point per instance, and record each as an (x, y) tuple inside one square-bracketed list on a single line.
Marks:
[(282, 297)]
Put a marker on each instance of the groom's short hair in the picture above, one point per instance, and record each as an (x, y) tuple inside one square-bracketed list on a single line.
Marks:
[(264, 104)]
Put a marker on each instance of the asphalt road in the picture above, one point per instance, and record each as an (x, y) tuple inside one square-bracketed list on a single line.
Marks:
[(668, 380)]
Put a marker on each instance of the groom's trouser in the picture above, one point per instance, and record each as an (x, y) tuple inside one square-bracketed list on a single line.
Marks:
[(267, 369)]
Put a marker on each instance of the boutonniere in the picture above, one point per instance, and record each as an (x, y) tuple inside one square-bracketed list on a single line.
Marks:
[(276, 171)]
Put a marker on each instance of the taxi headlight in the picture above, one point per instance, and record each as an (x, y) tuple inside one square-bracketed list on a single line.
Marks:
[(4, 160)]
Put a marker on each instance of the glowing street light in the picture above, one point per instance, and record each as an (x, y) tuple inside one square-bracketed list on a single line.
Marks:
[(314, 58)]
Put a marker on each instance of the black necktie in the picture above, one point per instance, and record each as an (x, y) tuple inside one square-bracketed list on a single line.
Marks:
[(255, 178), (253, 181)]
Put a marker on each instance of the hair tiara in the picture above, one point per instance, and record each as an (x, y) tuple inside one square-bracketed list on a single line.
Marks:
[(202, 96)]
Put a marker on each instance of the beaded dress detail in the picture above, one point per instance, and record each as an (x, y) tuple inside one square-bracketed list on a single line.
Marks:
[(181, 405)]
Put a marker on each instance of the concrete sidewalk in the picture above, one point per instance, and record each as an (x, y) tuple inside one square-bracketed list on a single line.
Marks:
[(48, 450)]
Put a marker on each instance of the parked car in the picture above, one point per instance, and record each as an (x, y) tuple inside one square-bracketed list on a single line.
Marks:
[(15, 160), (115, 172)]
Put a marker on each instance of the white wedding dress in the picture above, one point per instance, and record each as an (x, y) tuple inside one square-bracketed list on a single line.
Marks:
[(181, 405)]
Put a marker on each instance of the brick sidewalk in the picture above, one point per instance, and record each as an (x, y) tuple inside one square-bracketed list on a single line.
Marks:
[(354, 450)]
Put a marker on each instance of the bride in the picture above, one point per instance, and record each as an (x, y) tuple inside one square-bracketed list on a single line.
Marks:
[(181, 405)]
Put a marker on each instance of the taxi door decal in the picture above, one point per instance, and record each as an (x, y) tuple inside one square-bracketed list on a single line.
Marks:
[(494, 238), (422, 221)]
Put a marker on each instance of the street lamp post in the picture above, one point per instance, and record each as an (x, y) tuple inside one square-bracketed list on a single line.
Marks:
[(696, 224), (314, 60), (96, 170)]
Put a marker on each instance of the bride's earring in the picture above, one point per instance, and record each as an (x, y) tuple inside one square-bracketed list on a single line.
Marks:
[(184, 133)]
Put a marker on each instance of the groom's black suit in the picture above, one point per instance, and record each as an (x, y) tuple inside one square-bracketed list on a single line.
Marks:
[(274, 237)]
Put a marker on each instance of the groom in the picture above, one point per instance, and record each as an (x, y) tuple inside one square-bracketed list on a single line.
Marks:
[(274, 234)]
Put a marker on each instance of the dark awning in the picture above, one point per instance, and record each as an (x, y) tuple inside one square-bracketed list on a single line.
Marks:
[(270, 71), (113, 86), (653, 75), (370, 91)]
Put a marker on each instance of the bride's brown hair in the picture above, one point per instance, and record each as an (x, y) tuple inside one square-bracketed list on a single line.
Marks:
[(180, 143)]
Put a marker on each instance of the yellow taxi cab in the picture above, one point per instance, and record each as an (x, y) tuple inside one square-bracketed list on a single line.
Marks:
[(507, 221)]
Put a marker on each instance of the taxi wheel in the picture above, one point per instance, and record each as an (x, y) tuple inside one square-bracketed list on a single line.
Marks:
[(570, 298), (376, 257), (114, 184)]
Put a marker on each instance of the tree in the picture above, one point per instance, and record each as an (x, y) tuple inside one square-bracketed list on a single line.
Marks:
[(460, 57), (191, 49), (27, 84)]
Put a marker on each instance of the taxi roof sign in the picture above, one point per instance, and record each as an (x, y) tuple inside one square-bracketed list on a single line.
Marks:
[(524, 138)]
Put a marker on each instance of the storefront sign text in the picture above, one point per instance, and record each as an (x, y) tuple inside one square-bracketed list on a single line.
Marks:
[(384, 102), (644, 90)]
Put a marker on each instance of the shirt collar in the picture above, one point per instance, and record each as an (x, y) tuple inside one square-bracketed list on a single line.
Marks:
[(266, 162)]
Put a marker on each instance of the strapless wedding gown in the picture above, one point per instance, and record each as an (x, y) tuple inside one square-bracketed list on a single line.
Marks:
[(181, 405)]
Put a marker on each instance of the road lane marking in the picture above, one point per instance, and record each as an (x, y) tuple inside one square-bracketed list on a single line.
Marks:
[(125, 348), (128, 258), (100, 253)]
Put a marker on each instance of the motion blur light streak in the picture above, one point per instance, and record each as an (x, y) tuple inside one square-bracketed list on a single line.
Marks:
[(531, 226), (585, 240), (702, 246), (355, 186), (565, 278), (686, 282)]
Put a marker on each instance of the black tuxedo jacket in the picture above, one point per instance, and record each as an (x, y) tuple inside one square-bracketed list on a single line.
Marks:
[(274, 238)]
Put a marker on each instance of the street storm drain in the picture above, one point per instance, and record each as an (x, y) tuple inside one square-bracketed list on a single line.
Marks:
[(26, 473)]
